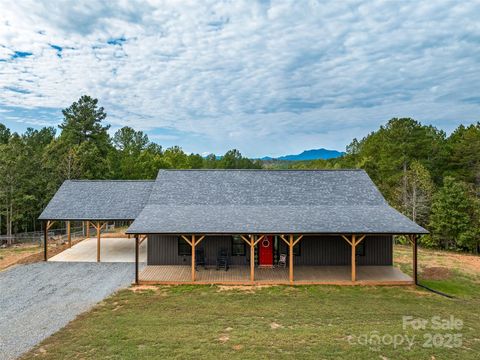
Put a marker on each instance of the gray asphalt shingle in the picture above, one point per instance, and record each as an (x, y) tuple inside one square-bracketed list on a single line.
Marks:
[(98, 200), (235, 201), (268, 201)]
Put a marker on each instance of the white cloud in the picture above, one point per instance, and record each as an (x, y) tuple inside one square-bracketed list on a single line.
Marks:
[(267, 78)]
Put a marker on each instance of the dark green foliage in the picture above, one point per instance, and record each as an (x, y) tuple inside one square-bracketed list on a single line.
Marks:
[(83, 123), (450, 220), (4, 134)]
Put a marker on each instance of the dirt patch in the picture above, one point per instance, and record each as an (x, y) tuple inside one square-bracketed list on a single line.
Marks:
[(9, 258), (139, 288), (436, 273), (274, 326), (223, 338), (466, 263), (36, 255)]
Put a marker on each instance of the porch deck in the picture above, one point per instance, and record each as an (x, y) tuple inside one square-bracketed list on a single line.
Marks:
[(238, 275)]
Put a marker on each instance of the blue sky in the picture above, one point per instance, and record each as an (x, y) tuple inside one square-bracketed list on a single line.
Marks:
[(266, 77)]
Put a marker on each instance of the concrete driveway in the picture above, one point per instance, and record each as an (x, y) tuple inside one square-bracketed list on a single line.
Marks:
[(111, 250), (38, 299)]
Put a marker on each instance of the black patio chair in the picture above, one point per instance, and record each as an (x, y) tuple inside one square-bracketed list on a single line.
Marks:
[(222, 259), (282, 261), (200, 259)]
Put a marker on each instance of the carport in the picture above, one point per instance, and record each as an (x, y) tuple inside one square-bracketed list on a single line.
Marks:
[(95, 203), (114, 248)]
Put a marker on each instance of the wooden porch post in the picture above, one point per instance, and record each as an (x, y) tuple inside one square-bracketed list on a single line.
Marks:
[(413, 241), (353, 243), (45, 238), (354, 264), (251, 241), (291, 244), (193, 242), (69, 235), (136, 258), (290, 259), (193, 257), (98, 241), (252, 258), (415, 258), (88, 229)]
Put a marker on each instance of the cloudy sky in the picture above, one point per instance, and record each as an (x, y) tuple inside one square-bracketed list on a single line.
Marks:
[(266, 77)]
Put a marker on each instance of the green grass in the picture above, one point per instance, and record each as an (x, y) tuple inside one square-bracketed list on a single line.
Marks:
[(308, 322), (460, 283)]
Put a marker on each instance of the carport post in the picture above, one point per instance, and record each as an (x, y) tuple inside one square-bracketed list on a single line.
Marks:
[(69, 235), (136, 259), (45, 237), (98, 241)]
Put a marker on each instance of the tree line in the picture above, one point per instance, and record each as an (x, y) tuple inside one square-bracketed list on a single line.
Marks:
[(432, 178), (34, 164)]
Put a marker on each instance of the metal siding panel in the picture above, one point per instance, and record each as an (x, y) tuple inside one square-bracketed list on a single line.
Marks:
[(163, 250), (315, 250), (334, 250)]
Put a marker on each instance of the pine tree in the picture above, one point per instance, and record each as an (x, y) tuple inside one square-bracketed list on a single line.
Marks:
[(450, 220)]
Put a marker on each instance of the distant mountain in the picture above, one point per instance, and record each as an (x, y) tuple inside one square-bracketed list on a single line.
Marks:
[(313, 154)]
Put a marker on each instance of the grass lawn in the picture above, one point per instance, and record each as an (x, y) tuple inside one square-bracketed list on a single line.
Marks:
[(308, 322)]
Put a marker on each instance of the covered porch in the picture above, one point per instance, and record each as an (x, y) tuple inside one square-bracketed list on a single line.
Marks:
[(304, 275), (292, 271)]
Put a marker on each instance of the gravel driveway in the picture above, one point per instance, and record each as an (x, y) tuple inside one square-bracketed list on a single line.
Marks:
[(38, 299)]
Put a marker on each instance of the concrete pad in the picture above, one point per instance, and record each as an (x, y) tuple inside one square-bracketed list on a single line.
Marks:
[(111, 250)]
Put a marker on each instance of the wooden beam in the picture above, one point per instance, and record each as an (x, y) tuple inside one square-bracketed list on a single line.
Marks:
[(187, 240), (347, 240), (298, 239), (290, 266), (98, 227), (258, 240), (354, 265), (415, 259), (360, 240), (252, 258), (50, 224), (143, 239), (137, 243), (200, 239), (45, 241), (284, 239), (193, 257), (69, 235), (245, 239)]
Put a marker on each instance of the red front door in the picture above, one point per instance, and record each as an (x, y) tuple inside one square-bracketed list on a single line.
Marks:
[(265, 251)]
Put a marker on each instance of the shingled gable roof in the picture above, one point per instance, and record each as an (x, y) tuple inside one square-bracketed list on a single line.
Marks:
[(268, 201), (98, 200)]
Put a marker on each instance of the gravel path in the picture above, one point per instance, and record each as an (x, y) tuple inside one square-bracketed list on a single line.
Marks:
[(38, 299)]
